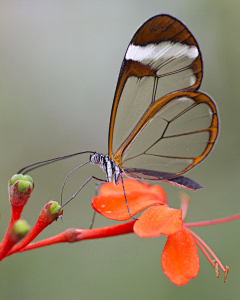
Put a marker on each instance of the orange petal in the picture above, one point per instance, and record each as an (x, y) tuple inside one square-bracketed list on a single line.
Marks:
[(130, 185), (158, 190), (158, 219), (114, 206), (180, 261)]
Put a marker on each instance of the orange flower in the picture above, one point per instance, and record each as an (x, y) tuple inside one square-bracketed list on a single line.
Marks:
[(180, 260), (111, 202)]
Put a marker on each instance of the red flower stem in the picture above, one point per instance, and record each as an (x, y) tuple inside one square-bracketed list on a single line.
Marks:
[(45, 218), (213, 222), (6, 247), (67, 236), (109, 231), (39, 226), (17, 200), (76, 235), (15, 215), (207, 248)]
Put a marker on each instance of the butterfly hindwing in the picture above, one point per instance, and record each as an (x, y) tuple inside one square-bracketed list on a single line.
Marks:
[(177, 132)]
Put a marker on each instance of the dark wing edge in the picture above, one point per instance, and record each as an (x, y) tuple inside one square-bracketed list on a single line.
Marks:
[(179, 181)]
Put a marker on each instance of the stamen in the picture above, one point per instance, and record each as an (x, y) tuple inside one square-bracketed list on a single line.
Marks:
[(204, 252), (226, 274), (184, 198), (207, 248), (213, 222), (217, 269)]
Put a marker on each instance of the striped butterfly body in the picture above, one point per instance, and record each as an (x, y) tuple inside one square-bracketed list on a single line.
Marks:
[(161, 126)]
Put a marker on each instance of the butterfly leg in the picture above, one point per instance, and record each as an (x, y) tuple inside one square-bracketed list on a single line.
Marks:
[(124, 192), (96, 193), (89, 179)]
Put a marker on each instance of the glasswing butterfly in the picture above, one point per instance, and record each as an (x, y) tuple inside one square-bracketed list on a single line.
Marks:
[(161, 126)]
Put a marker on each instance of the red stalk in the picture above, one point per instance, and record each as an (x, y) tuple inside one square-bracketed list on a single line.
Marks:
[(72, 235), (45, 219)]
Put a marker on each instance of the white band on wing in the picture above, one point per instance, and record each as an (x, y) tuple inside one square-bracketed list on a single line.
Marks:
[(163, 51)]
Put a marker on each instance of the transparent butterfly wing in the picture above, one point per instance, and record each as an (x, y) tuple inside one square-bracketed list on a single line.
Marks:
[(178, 131), (160, 125), (162, 57)]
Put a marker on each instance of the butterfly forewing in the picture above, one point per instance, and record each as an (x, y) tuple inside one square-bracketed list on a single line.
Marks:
[(161, 58), (160, 125)]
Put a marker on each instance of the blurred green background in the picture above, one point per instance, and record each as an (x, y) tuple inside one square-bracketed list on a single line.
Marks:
[(59, 67)]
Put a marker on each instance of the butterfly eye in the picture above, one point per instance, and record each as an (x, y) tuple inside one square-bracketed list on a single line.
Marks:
[(95, 159)]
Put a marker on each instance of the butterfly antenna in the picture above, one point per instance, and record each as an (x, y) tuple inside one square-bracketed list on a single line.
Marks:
[(69, 175), (124, 192), (49, 161)]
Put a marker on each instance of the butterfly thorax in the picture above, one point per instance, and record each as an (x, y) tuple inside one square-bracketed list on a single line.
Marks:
[(111, 169)]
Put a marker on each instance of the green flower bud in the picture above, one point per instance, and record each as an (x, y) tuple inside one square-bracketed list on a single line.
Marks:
[(27, 178), (21, 227), (23, 185), (55, 207), (24, 181), (15, 178)]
